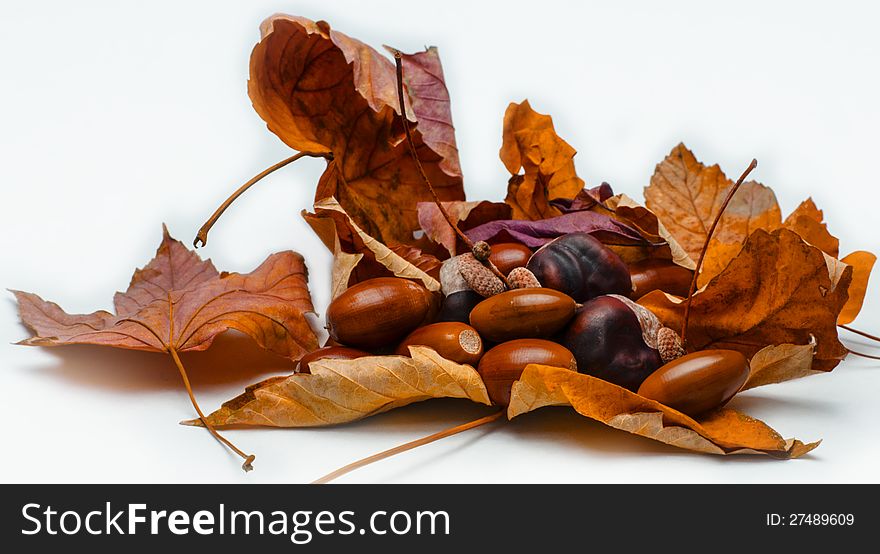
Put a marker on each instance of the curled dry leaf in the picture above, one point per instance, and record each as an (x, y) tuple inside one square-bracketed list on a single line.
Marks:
[(531, 144), (322, 91), (465, 214), (687, 195), (180, 302), (340, 233), (862, 262), (723, 431), (340, 391), (775, 364), (661, 244), (535, 234), (776, 291), (808, 221)]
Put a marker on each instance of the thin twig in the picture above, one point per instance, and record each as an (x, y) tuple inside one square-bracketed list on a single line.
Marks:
[(202, 235), (862, 333), (687, 306), (398, 60), (248, 458), (409, 446)]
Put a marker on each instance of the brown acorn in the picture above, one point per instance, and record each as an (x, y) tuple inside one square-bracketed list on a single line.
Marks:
[(522, 313), (504, 364), (454, 341)]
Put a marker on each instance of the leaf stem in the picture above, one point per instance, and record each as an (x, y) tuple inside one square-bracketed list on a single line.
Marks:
[(248, 458), (202, 235), (409, 446), (863, 355), (693, 287), (862, 333), (398, 60)]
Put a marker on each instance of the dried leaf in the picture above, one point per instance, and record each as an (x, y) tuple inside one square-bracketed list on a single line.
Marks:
[(377, 259), (537, 233), (862, 263), (340, 391), (723, 431), (585, 199), (320, 90), (776, 291), (531, 144), (808, 221), (181, 302), (663, 245), (687, 196), (775, 364), (465, 214)]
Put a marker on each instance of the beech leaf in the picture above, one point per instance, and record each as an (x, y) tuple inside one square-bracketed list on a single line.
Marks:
[(530, 144), (778, 290), (340, 391), (181, 302), (322, 91), (723, 431)]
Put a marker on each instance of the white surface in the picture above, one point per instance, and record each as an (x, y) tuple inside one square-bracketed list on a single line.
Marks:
[(117, 116)]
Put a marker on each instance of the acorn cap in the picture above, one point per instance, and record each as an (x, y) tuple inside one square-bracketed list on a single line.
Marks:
[(479, 277), (669, 345), (522, 278)]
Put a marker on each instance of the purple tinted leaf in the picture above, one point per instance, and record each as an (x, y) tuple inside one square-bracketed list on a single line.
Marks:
[(538, 233), (585, 199)]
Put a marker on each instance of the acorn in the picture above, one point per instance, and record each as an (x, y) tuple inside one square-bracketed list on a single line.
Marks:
[(698, 382), (454, 341), (504, 364), (329, 353), (509, 255), (665, 275), (379, 312), (522, 313)]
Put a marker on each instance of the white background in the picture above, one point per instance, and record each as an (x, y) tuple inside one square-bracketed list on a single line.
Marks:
[(118, 116)]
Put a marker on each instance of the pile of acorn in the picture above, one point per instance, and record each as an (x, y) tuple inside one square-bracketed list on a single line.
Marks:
[(570, 304)]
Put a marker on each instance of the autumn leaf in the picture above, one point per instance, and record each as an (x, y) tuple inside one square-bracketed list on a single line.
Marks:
[(531, 144), (358, 256), (723, 431), (660, 242), (778, 290), (808, 221), (775, 364), (340, 391), (322, 91), (180, 303), (862, 262), (466, 215), (687, 196)]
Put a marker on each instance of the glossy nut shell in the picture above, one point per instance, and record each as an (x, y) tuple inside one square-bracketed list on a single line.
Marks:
[(379, 312), (665, 275), (698, 382), (453, 340), (330, 353), (503, 364), (509, 255), (458, 305), (522, 313)]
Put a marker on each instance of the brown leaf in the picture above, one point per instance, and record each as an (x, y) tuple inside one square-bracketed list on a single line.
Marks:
[(862, 263), (776, 291), (775, 364), (686, 196), (181, 302), (531, 144), (426, 262), (723, 431), (625, 209), (340, 233), (320, 90), (465, 214), (340, 391), (808, 221)]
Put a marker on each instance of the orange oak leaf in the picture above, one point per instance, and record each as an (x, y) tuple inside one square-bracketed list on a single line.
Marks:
[(531, 144), (722, 431), (777, 290), (179, 303), (687, 195), (467, 215), (320, 90)]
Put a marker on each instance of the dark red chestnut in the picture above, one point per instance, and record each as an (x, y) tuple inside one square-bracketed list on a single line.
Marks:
[(606, 339), (581, 267), (458, 305)]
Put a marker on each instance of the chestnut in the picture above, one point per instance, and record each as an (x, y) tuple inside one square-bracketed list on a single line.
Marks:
[(698, 382), (453, 340), (509, 255), (504, 364), (581, 267), (522, 313), (665, 275), (458, 305), (329, 352), (606, 339), (379, 312)]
